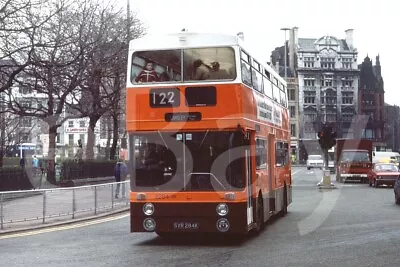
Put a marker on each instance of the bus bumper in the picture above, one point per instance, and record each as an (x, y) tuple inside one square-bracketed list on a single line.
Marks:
[(189, 217)]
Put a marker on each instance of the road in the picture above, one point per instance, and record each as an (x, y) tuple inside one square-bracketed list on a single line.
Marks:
[(354, 225)]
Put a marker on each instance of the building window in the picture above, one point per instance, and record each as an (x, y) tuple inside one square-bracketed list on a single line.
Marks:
[(327, 63), (330, 117), (293, 129), (346, 63), (347, 117), (82, 124), (309, 83), (330, 98), (327, 80), (309, 62), (347, 98), (309, 97), (58, 138), (347, 82), (368, 100), (70, 123), (292, 110), (292, 94), (310, 116)]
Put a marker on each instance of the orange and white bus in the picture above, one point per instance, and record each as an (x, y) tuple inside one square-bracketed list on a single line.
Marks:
[(209, 136)]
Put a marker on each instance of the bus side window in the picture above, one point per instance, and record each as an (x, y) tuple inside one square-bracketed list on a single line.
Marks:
[(246, 74)]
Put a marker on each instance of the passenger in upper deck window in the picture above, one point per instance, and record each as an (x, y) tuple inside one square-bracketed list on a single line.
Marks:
[(217, 73), (201, 71), (147, 75)]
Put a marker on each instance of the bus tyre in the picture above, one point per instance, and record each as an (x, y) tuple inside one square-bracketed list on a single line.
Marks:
[(283, 212), (259, 214)]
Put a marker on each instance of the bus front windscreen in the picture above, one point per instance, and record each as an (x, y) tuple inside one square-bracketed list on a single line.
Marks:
[(188, 161)]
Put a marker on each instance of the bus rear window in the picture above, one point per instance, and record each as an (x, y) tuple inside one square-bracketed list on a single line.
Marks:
[(197, 64)]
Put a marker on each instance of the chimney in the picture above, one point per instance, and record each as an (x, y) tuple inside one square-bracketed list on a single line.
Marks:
[(296, 36), (349, 38), (292, 47), (240, 35)]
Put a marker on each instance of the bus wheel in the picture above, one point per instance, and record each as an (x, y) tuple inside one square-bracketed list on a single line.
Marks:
[(285, 202), (259, 214)]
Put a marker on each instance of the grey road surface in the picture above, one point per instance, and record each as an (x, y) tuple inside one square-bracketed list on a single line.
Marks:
[(354, 225)]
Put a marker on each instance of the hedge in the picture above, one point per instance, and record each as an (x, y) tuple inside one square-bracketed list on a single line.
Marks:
[(14, 178), (72, 170)]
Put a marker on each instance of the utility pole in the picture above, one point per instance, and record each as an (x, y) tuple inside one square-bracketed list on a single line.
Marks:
[(285, 63)]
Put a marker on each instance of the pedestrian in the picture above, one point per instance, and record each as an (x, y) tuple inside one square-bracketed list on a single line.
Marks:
[(120, 173), (22, 162), (35, 164)]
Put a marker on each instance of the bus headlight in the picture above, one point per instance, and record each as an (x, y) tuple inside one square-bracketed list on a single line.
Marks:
[(222, 209), (223, 225), (148, 209), (149, 224)]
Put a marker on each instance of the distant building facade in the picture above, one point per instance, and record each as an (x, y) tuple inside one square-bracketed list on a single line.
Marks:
[(372, 103)]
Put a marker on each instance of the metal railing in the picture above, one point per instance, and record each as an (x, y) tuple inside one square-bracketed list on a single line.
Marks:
[(30, 208)]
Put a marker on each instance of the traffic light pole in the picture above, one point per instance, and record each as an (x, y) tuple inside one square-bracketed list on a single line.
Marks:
[(326, 159)]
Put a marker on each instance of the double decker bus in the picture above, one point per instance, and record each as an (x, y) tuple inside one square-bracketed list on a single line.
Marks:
[(208, 134)]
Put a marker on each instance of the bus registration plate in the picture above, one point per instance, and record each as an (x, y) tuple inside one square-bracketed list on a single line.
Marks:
[(186, 225)]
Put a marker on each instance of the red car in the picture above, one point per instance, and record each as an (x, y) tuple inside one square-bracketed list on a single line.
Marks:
[(384, 173)]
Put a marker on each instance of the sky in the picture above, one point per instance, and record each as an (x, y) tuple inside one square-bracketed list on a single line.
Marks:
[(375, 24)]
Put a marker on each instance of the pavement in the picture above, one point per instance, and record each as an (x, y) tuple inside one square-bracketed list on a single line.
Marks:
[(51, 205)]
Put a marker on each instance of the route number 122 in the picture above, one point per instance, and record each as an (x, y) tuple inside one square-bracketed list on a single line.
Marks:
[(164, 97)]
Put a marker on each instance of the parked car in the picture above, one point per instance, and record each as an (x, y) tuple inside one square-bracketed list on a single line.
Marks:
[(384, 173), (315, 161)]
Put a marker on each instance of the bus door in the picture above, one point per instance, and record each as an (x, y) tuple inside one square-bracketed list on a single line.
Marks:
[(271, 169), (249, 185)]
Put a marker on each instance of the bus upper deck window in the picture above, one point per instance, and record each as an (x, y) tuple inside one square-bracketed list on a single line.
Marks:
[(209, 64), (156, 66)]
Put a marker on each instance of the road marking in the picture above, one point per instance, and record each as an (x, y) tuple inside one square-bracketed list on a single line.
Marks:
[(65, 227)]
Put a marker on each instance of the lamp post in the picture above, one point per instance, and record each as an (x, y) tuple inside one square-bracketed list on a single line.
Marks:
[(285, 29)]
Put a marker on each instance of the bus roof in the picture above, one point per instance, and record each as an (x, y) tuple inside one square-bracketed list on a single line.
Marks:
[(181, 40)]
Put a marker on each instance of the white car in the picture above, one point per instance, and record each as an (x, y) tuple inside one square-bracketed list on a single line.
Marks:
[(315, 161)]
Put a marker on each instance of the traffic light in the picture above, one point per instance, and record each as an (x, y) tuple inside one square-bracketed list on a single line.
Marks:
[(326, 138)]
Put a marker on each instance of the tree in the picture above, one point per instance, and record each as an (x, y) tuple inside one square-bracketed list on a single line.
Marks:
[(19, 21), (56, 70), (106, 64)]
